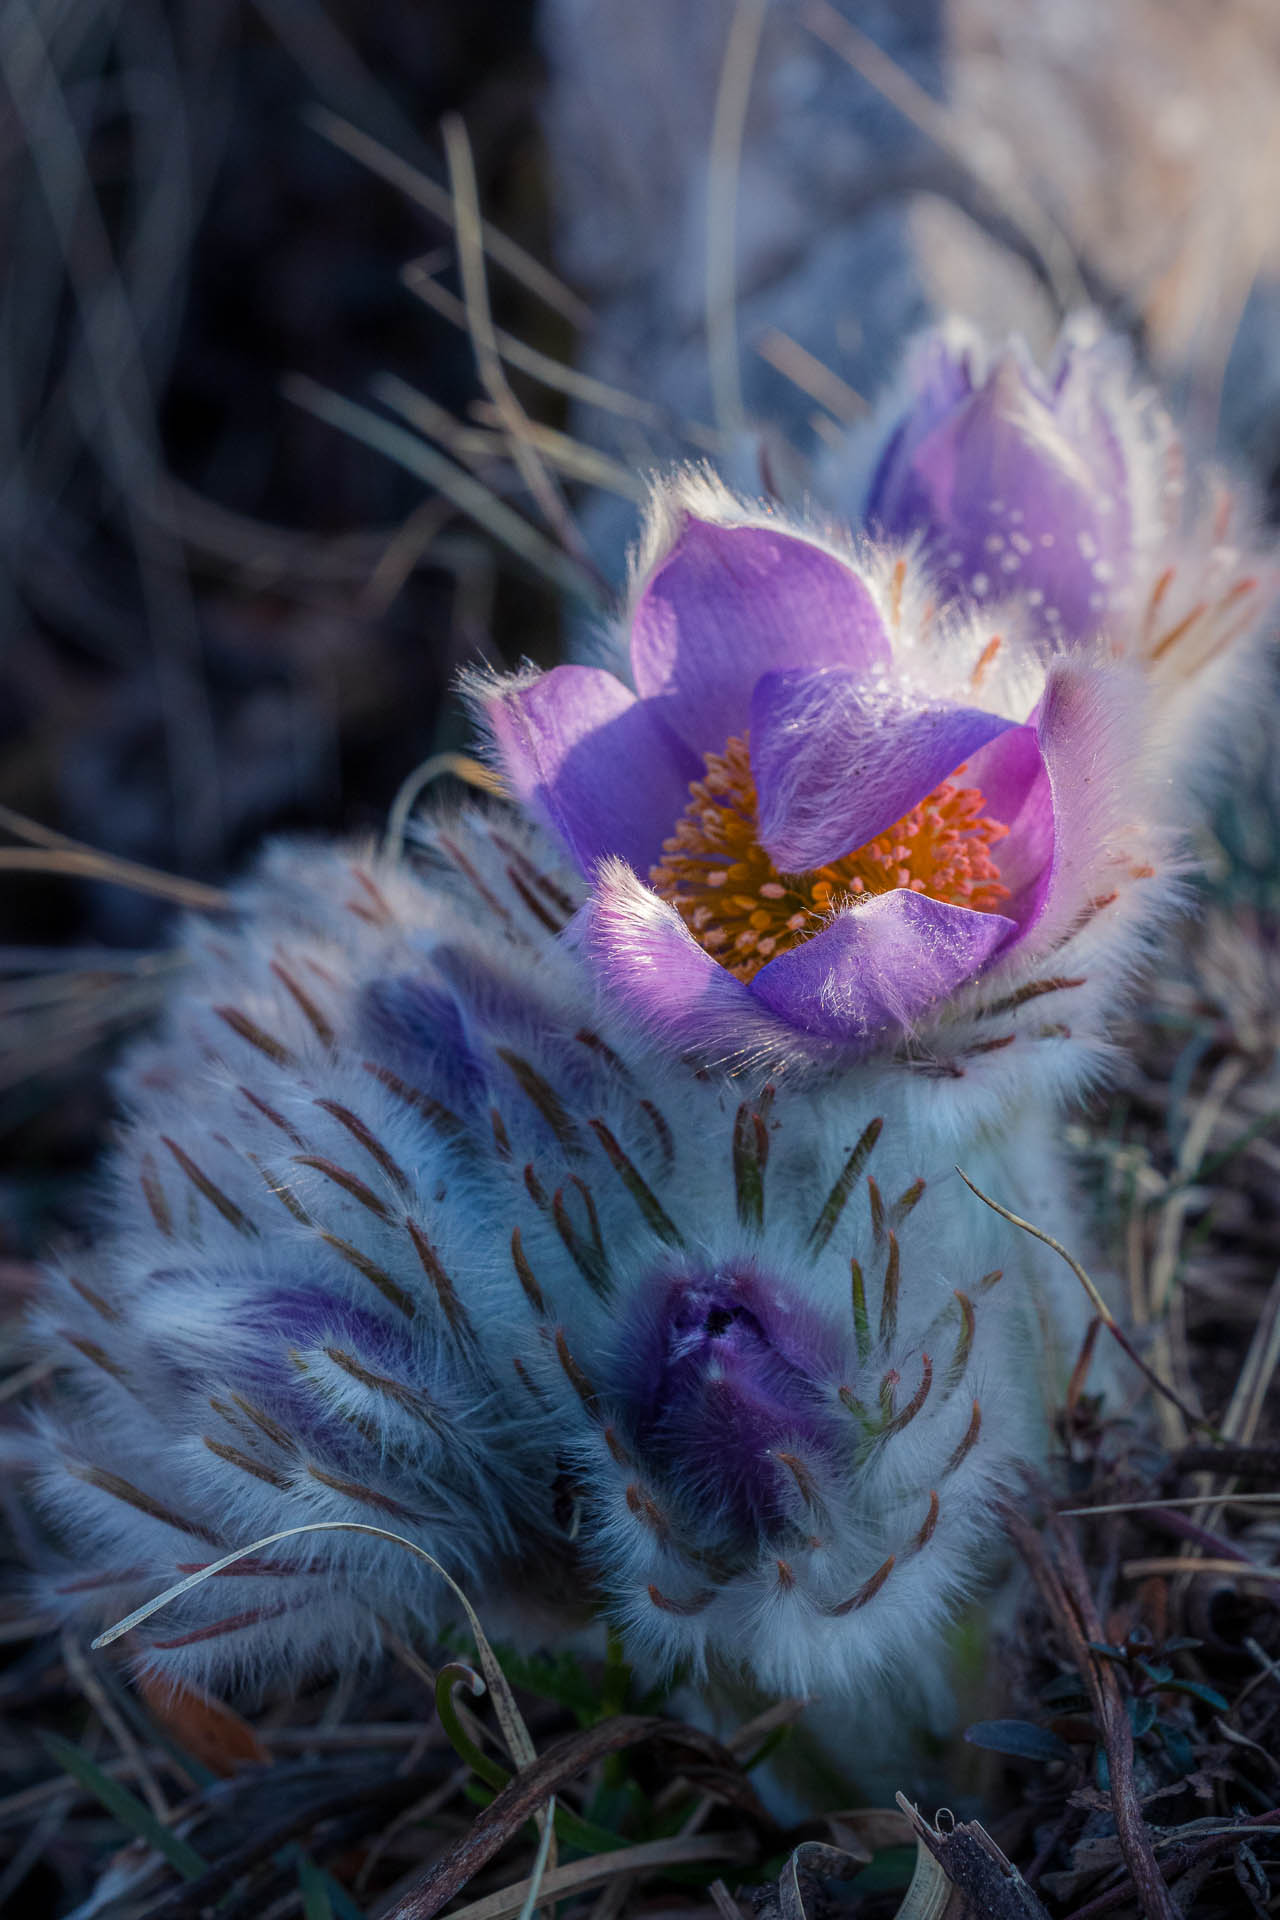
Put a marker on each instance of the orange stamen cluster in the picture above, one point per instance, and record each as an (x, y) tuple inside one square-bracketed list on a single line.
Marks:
[(737, 905)]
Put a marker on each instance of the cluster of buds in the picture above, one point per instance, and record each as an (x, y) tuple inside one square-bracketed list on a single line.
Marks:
[(574, 1194), (399, 1237)]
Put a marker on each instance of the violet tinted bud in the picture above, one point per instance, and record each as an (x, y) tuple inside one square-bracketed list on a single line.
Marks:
[(718, 1380), (1019, 483)]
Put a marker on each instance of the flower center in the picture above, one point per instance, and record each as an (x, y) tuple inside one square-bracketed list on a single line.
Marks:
[(737, 905)]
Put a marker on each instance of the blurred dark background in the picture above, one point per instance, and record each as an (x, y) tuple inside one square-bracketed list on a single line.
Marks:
[(220, 617), (198, 645)]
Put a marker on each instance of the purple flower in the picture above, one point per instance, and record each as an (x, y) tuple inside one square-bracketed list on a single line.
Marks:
[(785, 835), (1041, 486)]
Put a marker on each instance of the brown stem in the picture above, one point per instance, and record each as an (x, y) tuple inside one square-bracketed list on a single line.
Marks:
[(563, 1761), (1179, 1860), (1065, 1590)]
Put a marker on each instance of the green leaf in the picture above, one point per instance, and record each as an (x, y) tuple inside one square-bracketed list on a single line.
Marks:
[(1177, 1746), (344, 1907), (323, 1897), (1210, 1697), (1156, 1675), (1022, 1738), (316, 1904), (616, 1690), (560, 1679), (621, 1807), (315, 1883), (454, 1675), (889, 1872), (133, 1815), (1066, 1690), (1142, 1716)]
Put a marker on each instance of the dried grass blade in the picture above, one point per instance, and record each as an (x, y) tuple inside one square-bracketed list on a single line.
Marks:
[(415, 185), (475, 292), (1100, 1307), (566, 1760), (574, 457), (459, 766), (723, 175), (468, 494), (521, 1746), (83, 863), (988, 164), (419, 277), (812, 376), (583, 1875)]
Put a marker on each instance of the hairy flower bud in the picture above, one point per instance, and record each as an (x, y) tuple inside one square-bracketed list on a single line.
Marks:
[(1063, 503), (791, 1487), (1019, 484)]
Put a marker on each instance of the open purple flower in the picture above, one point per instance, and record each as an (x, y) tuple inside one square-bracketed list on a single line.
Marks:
[(1040, 486), (785, 835)]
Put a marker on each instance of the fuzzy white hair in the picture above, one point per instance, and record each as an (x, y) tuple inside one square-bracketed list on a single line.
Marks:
[(391, 1185)]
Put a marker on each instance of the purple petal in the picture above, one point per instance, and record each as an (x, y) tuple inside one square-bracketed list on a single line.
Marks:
[(941, 378), (595, 762), (871, 971), (1089, 730), (1014, 781), (731, 603), (836, 761), (714, 1370), (1019, 491), (876, 968), (648, 962)]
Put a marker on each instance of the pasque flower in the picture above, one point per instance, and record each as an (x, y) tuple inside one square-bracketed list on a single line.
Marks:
[(782, 1471), (1063, 501), (399, 1232), (435, 1209), (821, 813)]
